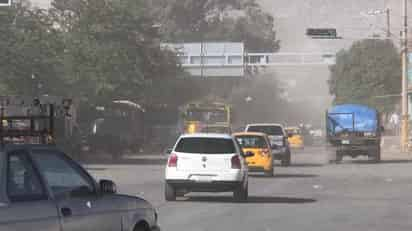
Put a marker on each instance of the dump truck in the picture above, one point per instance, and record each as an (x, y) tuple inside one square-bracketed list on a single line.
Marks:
[(354, 130)]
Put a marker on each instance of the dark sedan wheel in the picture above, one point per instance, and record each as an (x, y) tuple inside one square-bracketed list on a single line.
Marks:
[(286, 159), (170, 192), (339, 157), (142, 226), (241, 193), (376, 156)]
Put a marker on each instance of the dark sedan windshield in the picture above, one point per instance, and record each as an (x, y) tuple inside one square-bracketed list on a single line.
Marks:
[(269, 130), (251, 141)]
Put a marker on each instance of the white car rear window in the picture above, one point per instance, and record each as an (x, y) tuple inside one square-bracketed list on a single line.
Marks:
[(206, 146), (269, 130)]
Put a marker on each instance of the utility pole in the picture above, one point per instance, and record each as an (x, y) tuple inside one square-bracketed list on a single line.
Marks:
[(202, 50), (405, 113), (202, 55), (388, 23)]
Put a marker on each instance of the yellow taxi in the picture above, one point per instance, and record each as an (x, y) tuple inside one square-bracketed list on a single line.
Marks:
[(258, 144), (295, 137)]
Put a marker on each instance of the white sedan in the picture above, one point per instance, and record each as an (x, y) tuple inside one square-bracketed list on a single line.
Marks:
[(206, 163)]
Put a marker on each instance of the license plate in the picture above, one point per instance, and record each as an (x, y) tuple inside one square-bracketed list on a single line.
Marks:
[(86, 148), (345, 142), (202, 178)]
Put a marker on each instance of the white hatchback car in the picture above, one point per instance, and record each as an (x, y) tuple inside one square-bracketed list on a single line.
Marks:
[(206, 163)]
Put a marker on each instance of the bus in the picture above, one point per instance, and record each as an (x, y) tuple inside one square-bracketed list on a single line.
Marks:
[(206, 117)]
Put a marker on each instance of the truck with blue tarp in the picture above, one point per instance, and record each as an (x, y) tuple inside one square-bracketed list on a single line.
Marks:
[(354, 130)]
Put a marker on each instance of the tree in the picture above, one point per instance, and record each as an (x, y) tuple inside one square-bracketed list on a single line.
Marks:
[(217, 20), (96, 50), (366, 73), (31, 48), (111, 48)]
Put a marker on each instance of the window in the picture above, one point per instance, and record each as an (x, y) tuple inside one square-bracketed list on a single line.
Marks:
[(293, 131), (23, 184), (206, 146), (251, 141), (210, 116), (269, 130), (61, 175)]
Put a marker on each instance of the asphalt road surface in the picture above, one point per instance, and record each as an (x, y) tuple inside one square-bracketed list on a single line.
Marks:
[(313, 194)]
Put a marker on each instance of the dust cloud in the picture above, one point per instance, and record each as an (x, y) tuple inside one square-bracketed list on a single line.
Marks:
[(306, 87)]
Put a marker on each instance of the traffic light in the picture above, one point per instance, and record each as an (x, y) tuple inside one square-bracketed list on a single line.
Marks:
[(325, 33), (5, 2)]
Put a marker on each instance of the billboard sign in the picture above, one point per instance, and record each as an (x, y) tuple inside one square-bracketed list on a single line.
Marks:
[(210, 59), (5, 2)]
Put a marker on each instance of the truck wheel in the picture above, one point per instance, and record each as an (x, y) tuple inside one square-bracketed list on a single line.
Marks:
[(286, 160), (338, 157), (116, 156), (378, 155), (170, 192), (241, 193)]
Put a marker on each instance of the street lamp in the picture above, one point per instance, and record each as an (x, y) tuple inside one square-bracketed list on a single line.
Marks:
[(198, 29), (377, 12), (248, 99), (36, 85)]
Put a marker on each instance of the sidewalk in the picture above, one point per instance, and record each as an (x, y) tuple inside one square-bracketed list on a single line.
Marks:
[(391, 149)]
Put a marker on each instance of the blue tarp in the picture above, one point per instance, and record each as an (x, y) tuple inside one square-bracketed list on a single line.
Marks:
[(352, 117)]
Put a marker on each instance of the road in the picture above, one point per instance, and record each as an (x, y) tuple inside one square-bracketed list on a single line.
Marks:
[(310, 195)]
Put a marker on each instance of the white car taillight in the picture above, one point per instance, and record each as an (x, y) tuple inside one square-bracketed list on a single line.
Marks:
[(172, 162), (236, 162)]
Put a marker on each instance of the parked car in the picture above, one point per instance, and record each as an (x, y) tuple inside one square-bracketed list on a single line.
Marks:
[(278, 140), (206, 163), (43, 189), (259, 145)]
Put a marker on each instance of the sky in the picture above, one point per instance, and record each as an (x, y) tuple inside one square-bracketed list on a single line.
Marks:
[(348, 16)]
